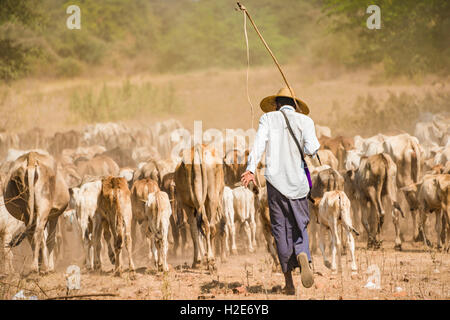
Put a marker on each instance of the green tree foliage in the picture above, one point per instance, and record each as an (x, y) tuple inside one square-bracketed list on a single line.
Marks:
[(19, 44), (182, 35), (414, 37)]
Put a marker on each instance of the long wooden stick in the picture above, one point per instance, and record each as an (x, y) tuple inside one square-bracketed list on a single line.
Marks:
[(242, 8), (83, 296)]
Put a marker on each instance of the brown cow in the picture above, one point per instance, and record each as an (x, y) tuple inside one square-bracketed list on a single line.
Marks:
[(178, 219), (339, 146), (99, 166), (113, 217), (375, 180), (405, 152), (323, 179), (139, 195), (36, 193), (433, 196), (200, 181)]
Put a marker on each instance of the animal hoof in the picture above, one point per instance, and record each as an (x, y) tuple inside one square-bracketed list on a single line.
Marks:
[(398, 247), (234, 252), (327, 264)]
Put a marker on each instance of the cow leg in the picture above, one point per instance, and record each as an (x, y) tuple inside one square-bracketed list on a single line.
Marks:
[(97, 233), (351, 246), (344, 240), (313, 233), (322, 235), (195, 237), (107, 237), (396, 221), (207, 231), (50, 243), (134, 232), (336, 249), (232, 227), (253, 230), (438, 228), (175, 235), (129, 245), (38, 240), (183, 227), (249, 236), (164, 248), (417, 234), (6, 255), (4, 260), (154, 250), (226, 236), (423, 224), (379, 215), (365, 216)]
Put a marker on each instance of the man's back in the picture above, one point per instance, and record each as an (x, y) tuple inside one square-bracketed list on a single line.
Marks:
[(285, 169)]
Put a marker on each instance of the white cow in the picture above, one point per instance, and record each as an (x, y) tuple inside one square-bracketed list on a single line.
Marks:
[(84, 200), (334, 209), (373, 145), (158, 211), (322, 131), (244, 210), (9, 227), (352, 160), (442, 156), (230, 230)]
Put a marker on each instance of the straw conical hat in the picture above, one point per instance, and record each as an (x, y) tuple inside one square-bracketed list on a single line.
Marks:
[(268, 104)]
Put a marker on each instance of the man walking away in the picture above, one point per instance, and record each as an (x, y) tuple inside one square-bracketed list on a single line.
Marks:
[(287, 182)]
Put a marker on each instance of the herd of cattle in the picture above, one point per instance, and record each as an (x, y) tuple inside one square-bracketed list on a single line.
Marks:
[(121, 187)]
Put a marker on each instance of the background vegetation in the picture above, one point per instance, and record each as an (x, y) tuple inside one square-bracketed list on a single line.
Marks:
[(134, 36)]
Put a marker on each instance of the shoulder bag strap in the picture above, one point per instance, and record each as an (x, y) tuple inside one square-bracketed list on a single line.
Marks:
[(295, 139)]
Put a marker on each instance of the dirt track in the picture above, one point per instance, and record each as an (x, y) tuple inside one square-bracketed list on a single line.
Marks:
[(421, 275)]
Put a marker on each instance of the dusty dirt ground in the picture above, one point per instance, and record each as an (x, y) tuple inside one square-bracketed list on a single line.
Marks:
[(421, 274)]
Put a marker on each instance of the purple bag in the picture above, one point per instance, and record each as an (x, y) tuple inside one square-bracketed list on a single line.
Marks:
[(308, 176)]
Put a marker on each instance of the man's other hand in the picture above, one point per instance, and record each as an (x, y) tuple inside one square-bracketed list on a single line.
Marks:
[(247, 177)]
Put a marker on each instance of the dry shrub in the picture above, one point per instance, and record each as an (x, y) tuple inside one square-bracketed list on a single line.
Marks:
[(399, 112)]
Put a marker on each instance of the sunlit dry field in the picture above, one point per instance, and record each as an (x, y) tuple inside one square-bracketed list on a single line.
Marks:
[(218, 99), (416, 272)]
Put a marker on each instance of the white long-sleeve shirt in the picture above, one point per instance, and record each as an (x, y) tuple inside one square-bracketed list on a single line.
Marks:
[(284, 166)]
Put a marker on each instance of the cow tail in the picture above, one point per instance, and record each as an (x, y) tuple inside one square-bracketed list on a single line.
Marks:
[(119, 219), (344, 219), (31, 172), (200, 198), (159, 204), (416, 157)]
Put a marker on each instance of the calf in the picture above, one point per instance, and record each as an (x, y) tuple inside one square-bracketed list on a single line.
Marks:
[(113, 217), (334, 209), (244, 209), (158, 212), (84, 201), (139, 195), (375, 183), (9, 227), (433, 197), (230, 230)]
